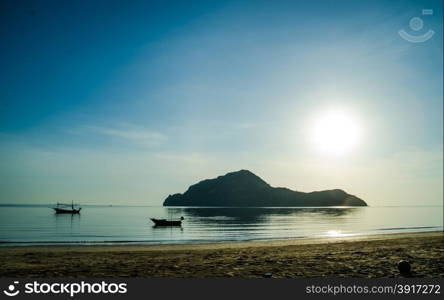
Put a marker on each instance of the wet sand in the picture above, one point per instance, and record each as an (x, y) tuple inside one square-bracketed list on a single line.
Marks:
[(363, 256)]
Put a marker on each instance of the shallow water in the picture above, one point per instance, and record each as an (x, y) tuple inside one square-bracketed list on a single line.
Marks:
[(25, 225)]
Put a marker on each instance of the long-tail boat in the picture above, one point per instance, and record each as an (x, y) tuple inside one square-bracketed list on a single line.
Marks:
[(165, 222), (63, 208)]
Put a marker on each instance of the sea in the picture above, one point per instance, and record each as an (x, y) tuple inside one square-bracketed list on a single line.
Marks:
[(39, 225)]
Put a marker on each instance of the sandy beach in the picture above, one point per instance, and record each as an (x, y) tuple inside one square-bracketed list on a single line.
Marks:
[(362, 256)]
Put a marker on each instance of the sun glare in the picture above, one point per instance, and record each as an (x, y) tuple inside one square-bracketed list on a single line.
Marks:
[(337, 233), (336, 133)]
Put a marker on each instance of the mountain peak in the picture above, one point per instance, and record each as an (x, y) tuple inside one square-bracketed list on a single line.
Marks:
[(241, 172), (244, 177)]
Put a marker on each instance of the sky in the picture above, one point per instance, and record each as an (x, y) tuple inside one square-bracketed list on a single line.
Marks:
[(126, 102)]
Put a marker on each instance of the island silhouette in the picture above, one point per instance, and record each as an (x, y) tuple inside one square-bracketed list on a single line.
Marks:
[(245, 189)]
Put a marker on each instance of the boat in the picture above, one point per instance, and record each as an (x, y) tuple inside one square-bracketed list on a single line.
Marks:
[(165, 222), (63, 208)]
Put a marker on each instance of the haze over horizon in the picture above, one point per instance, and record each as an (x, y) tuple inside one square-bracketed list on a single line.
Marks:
[(112, 102)]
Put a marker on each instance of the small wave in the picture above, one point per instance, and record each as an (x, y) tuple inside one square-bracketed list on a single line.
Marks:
[(67, 242), (218, 218), (142, 242), (408, 228)]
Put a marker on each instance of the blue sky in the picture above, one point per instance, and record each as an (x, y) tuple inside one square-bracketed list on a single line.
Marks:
[(126, 102)]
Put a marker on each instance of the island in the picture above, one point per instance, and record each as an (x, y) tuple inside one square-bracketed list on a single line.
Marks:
[(245, 189)]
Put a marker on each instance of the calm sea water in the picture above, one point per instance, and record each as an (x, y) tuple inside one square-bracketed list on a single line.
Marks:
[(24, 225)]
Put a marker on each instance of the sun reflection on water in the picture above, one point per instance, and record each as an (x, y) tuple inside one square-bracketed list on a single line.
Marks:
[(337, 233)]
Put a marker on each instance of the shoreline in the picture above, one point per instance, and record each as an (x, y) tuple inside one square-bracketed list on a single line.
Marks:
[(215, 244), (126, 244), (356, 256)]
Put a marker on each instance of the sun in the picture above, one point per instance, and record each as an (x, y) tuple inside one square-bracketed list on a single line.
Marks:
[(336, 133)]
